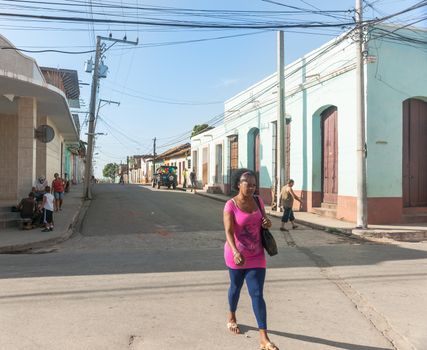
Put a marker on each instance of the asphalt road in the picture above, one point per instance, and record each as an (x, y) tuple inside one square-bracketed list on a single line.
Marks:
[(146, 271)]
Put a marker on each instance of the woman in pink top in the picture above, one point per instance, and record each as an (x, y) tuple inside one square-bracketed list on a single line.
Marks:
[(244, 253)]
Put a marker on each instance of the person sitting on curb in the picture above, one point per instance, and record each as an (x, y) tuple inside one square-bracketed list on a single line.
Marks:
[(286, 200), (39, 188), (27, 208)]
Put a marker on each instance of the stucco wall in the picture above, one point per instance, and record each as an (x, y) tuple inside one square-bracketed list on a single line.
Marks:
[(15, 62), (8, 156), (398, 73), (304, 109), (53, 153), (323, 78), (49, 154)]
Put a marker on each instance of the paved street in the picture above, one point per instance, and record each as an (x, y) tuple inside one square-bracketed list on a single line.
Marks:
[(146, 272)]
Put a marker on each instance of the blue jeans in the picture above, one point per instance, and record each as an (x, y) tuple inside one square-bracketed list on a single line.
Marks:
[(255, 282)]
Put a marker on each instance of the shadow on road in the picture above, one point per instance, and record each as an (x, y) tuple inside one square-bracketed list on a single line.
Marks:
[(315, 340), (192, 222)]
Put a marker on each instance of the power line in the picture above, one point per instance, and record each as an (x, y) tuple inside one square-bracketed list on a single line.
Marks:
[(177, 24), (217, 119)]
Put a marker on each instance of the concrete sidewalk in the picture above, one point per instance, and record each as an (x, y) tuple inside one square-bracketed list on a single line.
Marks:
[(407, 233), (14, 239)]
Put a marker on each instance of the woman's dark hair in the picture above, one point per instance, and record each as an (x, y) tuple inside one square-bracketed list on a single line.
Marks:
[(237, 174)]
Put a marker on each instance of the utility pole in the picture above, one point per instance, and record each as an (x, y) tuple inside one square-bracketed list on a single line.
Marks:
[(91, 128), (99, 107), (362, 205), (100, 50), (281, 130), (127, 167), (154, 156)]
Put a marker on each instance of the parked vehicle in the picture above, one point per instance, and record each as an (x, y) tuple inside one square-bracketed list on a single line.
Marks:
[(165, 176)]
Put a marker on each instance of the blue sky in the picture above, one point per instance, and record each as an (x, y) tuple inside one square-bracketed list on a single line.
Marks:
[(201, 75)]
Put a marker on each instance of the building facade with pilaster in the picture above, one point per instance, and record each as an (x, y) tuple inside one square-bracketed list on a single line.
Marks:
[(320, 100)]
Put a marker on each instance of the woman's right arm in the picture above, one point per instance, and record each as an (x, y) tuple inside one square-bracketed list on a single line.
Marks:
[(229, 234)]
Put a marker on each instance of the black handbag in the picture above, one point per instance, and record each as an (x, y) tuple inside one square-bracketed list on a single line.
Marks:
[(267, 239)]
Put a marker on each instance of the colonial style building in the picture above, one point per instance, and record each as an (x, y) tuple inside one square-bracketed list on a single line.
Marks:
[(320, 90), (37, 128)]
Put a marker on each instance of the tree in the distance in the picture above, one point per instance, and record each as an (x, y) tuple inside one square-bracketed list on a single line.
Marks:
[(111, 170), (197, 129)]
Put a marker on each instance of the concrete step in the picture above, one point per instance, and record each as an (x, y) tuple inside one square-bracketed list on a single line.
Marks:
[(414, 210), (9, 223), (330, 213), (4, 215), (214, 190), (8, 218), (415, 218), (329, 206), (6, 209)]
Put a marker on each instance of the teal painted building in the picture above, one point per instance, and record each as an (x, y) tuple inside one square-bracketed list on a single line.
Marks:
[(320, 90)]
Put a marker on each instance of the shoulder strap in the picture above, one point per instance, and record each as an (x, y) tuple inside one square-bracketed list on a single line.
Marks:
[(259, 205)]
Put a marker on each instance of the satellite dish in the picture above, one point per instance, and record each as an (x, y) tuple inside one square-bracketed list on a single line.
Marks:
[(44, 133)]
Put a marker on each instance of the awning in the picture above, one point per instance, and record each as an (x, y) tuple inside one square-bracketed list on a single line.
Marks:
[(51, 101)]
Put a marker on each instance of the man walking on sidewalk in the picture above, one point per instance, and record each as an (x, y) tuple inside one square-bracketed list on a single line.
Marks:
[(193, 180), (286, 200)]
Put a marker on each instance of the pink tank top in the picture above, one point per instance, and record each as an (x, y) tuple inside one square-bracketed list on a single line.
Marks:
[(247, 236)]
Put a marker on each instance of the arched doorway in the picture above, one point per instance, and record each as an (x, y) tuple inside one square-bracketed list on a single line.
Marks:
[(329, 127), (414, 153), (254, 156)]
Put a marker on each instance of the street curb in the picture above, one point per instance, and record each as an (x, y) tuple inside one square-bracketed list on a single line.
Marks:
[(399, 236), (374, 235), (22, 248), (212, 197), (332, 230)]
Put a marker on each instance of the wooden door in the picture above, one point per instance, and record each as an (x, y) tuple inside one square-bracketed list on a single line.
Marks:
[(414, 153), (218, 164), (234, 156), (205, 160), (234, 153), (330, 155), (257, 156)]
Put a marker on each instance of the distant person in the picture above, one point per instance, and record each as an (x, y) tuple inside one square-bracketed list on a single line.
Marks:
[(244, 215), (58, 191), (66, 183), (184, 175), (47, 206), (27, 208), (121, 180), (193, 179), (39, 188), (286, 200)]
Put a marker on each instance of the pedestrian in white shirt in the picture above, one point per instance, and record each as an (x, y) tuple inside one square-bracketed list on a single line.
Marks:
[(47, 206)]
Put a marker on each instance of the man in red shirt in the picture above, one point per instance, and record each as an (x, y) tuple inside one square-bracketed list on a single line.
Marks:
[(58, 191)]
